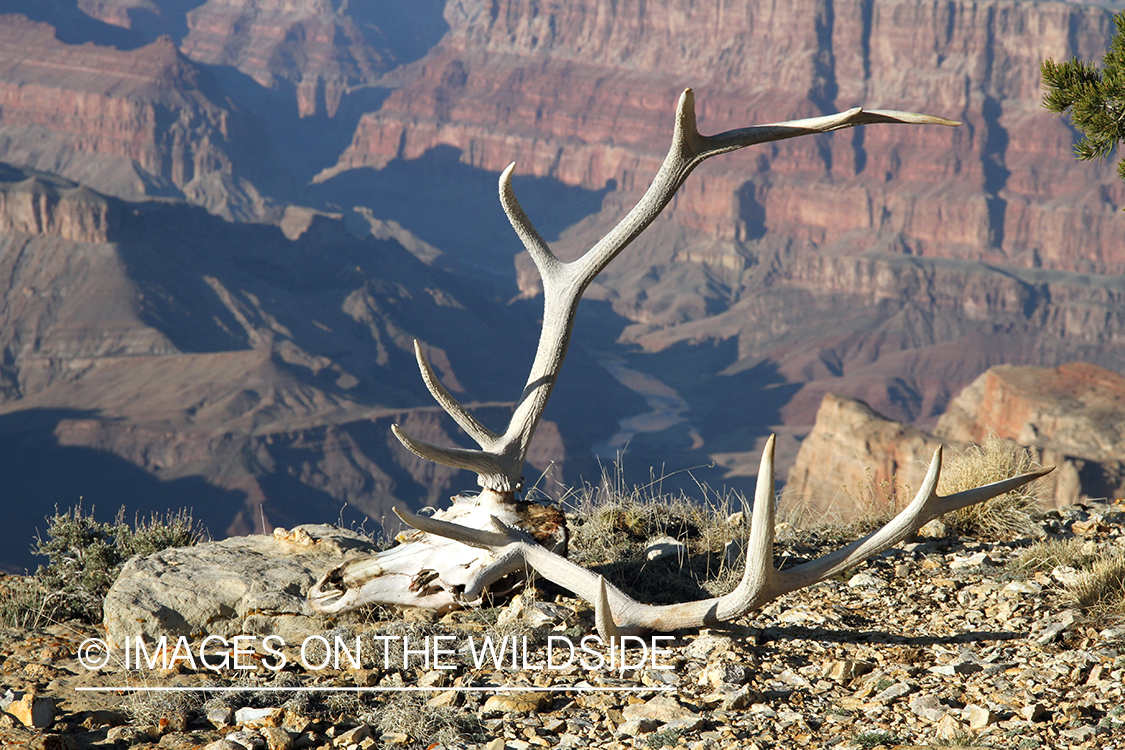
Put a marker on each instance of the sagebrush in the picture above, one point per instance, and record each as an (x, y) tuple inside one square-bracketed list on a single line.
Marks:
[(84, 558)]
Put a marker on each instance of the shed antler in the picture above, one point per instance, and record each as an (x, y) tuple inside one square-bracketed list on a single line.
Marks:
[(499, 461), (432, 570), (615, 613)]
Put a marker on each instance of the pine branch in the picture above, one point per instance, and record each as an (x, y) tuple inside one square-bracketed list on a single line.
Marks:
[(1094, 98)]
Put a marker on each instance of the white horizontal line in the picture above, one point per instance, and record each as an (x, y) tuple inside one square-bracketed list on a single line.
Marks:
[(404, 689)]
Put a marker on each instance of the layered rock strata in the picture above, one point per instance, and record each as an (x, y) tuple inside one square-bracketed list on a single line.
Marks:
[(1074, 415), (584, 92), (129, 123)]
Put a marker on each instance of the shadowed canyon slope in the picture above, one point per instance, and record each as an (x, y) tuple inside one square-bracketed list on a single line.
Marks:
[(183, 301), (155, 355)]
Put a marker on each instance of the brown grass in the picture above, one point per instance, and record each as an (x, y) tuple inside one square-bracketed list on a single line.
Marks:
[(1048, 555), (1100, 590), (1003, 517), (611, 524)]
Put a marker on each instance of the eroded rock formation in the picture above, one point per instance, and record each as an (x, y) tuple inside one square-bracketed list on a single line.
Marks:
[(129, 123), (855, 460), (1074, 415), (893, 264)]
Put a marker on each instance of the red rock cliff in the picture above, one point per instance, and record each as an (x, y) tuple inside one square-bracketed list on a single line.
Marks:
[(583, 91), (1073, 414), (128, 123)]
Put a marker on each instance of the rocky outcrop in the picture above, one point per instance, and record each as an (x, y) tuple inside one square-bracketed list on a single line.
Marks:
[(43, 204), (1071, 417), (252, 585), (1074, 415), (317, 49), (308, 45), (857, 461)]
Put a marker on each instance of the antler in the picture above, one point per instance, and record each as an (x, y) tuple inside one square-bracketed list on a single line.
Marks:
[(499, 461), (617, 614), (426, 572)]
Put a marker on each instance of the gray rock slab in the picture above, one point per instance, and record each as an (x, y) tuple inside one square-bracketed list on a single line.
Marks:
[(252, 585)]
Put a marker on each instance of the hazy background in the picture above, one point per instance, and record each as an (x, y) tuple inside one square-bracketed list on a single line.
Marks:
[(223, 223)]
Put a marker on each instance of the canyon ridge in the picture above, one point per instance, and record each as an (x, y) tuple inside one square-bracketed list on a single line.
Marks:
[(223, 223)]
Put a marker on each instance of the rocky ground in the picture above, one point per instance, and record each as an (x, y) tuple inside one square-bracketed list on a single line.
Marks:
[(938, 643)]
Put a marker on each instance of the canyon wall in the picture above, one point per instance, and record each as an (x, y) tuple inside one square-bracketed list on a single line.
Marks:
[(257, 352), (856, 461), (129, 123), (584, 92), (889, 263)]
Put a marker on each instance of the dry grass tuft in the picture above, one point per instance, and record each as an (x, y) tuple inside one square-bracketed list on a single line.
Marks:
[(147, 708), (1002, 517), (25, 602), (426, 725), (1101, 589), (612, 524), (859, 510), (1048, 555)]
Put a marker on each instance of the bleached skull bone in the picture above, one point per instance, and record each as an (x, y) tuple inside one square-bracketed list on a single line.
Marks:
[(435, 572)]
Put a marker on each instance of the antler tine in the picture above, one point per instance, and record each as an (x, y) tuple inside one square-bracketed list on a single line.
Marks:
[(689, 148), (537, 247), (603, 615), (564, 283), (618, 614), (927, 505), (484, 437), (480, 462)]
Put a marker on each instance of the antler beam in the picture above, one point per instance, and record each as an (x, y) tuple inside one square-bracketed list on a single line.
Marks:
[(499, 461), (618, 614)]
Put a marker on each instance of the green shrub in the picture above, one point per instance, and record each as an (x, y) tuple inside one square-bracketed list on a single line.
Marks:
[(875, 739), (85, 557), (664, 738)]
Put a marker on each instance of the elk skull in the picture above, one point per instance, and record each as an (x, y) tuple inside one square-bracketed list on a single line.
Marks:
[(482, 543)]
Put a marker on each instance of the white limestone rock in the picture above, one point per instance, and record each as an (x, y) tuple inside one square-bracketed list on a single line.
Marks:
[(252, 585)]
